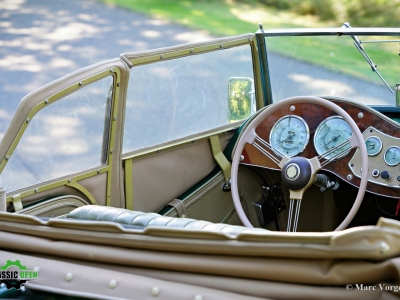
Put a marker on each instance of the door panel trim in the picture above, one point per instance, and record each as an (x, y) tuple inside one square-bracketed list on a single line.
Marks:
[(183, 141)]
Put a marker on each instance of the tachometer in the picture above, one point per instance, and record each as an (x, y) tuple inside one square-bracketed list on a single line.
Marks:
[(289, 135), (330, 133)]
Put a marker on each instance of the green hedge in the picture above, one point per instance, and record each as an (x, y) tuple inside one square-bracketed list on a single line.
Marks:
[(368, 13)]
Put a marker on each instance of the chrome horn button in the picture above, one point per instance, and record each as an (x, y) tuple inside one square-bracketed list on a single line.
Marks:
[(292, 171)]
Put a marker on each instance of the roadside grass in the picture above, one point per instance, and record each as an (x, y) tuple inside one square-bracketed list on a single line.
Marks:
[(219, 17), (229, 17), (339, 54)]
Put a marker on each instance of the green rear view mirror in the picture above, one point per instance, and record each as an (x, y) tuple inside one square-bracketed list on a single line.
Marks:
[(241, 100)]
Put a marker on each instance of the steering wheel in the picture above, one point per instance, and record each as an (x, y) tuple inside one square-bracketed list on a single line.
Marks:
[(298, 173)]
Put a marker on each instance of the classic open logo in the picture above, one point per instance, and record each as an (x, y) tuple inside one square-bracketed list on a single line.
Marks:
[(13, 274)]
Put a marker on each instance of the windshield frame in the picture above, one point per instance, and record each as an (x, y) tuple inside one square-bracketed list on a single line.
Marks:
[(262, 33)]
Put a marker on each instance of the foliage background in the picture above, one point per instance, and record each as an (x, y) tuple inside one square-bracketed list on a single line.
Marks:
[(231, 17), (368, 13)]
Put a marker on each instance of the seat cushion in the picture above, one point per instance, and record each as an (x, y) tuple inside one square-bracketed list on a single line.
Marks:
[(141, 219)]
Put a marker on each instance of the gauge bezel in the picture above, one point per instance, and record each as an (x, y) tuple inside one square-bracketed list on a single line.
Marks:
[(277, 152), (384, 156), (319, 128), (380, 143)]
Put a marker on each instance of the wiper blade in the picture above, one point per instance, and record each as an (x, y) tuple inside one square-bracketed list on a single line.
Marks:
[(360, 48)]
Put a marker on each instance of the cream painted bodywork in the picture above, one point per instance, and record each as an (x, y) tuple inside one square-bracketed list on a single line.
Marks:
[(250, 264)]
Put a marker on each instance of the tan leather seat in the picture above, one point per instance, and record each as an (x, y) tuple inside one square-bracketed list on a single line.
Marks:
[(141, 219)]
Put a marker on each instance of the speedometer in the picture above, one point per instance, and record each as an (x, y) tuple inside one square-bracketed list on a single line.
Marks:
[(289, 136), (331, 133)]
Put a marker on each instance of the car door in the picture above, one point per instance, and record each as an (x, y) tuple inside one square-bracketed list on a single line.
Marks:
[(62, 148)]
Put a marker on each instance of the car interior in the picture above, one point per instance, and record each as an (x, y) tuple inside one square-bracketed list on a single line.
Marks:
[(224, 169), (178, 134)]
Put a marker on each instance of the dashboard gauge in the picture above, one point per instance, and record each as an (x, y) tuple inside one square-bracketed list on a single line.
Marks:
[(392, 156), (374, 145), (330, 133), (289, 136)]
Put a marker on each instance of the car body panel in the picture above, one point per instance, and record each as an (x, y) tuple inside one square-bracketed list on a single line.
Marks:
[(305, 263), (183, 175)]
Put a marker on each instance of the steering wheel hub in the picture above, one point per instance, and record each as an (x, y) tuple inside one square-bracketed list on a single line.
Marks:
[(296, 173), (292, 171)]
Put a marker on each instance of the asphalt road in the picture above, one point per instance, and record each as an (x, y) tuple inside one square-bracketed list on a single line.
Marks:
[(42, 40), (290, 77)]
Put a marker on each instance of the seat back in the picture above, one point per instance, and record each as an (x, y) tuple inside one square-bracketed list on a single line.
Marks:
[(141, 219)]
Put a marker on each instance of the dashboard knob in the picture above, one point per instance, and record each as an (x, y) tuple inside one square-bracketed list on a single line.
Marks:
[(375, 173), (385, 175)]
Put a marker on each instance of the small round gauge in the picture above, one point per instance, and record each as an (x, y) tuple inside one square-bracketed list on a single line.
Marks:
[(330, 133), (289, 135), (374, 145), (392, 156)]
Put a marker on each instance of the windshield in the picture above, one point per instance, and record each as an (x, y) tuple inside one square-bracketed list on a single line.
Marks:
[(360, 68)]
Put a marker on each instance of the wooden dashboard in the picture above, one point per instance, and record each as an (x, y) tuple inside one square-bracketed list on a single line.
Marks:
[(314, 115)]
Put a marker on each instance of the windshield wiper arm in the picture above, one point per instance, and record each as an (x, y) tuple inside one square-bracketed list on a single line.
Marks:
[(360, 48)]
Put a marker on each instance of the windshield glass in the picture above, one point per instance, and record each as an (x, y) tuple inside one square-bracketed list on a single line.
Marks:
[(360, 68)]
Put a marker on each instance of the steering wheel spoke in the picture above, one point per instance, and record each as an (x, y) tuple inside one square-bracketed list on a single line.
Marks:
[(293, 217), (266, 148), (338, 151)]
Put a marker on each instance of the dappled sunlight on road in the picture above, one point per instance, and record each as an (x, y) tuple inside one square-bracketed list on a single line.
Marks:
[(141, 46), (72, 31), (59, 62), (11, 4), (319, 86), (64, 138), (196, 36), (41, 41), (36, 46), (38, 145), (151, 33), (4, 115), (156, 22), (21, 63)]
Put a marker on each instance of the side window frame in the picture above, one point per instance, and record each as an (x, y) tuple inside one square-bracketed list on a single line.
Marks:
[(27, 111)]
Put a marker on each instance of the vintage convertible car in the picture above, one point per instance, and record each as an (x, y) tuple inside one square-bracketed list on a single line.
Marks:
[(263, 165)]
